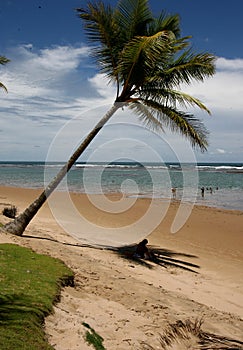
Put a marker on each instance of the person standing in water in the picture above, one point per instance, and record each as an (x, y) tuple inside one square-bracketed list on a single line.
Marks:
[(202, 192)]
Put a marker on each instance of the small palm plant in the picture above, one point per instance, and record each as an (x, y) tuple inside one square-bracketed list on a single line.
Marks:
[(148, 61)]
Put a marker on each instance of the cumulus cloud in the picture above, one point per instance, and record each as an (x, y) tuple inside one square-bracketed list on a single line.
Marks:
[(222, 91), (230, 64), (60, 58)]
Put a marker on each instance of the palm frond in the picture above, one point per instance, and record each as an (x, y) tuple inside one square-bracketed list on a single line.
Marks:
[(3, 87), (185, 124), (4, 60), (184, 100), (101, 28), (189, 334), (146, 115), (165, 22), (170, 97), (133, 17), (141, 55), (97, 21), (188, 67)]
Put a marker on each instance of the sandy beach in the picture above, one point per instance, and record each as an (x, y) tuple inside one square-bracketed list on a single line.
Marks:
[(125, 302)]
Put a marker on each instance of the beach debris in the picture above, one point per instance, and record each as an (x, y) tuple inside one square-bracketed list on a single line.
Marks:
[(10, 212), (185, 335)]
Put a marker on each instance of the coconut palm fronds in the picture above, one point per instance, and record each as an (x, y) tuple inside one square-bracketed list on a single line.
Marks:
[(189, 335)]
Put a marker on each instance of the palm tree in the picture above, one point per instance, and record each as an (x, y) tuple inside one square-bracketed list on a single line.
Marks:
[(148, 61), (3, 60)]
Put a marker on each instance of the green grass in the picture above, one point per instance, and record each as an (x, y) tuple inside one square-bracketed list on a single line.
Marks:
[(93, 338), (29, 286)]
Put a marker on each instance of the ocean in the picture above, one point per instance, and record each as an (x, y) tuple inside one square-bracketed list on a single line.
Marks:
[(222, 182)]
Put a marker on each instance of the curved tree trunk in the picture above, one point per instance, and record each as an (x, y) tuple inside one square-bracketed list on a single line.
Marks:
[(18, 225)]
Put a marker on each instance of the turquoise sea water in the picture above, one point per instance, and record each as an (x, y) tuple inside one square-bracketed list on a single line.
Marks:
[(139, 180)]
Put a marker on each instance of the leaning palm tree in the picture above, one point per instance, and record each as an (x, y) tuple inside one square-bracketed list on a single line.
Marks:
[(3, 60), (148, 61)]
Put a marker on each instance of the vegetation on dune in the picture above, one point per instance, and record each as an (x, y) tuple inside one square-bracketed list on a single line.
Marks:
[(29, 285), (93, 338)]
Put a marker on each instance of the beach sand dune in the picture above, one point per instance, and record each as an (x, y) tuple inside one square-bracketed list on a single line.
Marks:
[(127, 303)]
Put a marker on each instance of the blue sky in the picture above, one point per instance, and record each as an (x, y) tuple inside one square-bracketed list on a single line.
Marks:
[(56, 93)]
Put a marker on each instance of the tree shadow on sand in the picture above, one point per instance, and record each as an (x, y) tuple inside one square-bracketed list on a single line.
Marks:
[(161, 256)]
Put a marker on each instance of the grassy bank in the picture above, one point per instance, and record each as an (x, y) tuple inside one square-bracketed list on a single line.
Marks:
[(29, 285)]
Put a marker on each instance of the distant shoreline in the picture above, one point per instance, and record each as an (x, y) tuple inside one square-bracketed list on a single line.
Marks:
[(224, 180), (37, 191)]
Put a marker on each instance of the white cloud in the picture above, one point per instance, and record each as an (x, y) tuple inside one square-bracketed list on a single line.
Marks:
[(220, 150), (103, 87), (230, 64), (60, 58), (51, 86), (43, 88), (44, 69), (224, 90)]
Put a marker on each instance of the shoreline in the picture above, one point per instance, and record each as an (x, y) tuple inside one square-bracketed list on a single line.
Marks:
[(128, 195), (127, 303)]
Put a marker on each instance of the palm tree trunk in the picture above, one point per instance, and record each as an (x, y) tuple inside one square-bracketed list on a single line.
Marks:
[(18, 225)]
